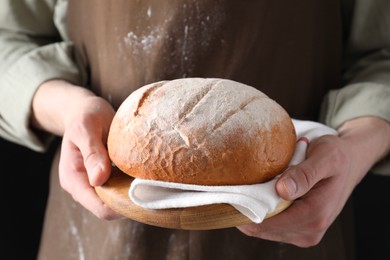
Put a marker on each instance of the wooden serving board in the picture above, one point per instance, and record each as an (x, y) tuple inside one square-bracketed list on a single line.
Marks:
[(115, 194)]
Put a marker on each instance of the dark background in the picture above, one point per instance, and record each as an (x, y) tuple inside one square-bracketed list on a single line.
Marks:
[(372, 218), (25, 178), (24, 188)]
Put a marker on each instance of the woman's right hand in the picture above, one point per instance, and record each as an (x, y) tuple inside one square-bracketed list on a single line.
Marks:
[(83, 120)]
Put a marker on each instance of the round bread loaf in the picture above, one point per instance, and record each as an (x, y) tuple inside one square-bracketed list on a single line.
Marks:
[(204, 131)]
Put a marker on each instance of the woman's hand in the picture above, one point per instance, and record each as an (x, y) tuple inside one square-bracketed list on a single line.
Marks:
[(83, 120), (321, 185)]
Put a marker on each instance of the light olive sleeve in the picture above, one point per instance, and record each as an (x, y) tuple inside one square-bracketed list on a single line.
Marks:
[(367, 71), (33, 49)]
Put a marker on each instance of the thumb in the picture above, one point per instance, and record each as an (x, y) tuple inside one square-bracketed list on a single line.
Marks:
[(96, 162), (297, 181)]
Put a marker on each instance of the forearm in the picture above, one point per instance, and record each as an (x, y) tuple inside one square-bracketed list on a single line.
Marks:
[(54, 103), (368, 139)]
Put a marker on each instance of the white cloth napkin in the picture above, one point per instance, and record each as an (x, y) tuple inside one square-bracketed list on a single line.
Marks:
[(254, 201)]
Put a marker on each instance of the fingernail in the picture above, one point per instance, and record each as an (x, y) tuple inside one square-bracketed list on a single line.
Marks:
[(94, 176), (290, 186), (97, 169)]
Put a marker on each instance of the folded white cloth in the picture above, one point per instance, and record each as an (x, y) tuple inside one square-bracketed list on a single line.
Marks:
[(254, 201)]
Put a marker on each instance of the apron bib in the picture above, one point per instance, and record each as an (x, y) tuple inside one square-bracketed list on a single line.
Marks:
[(290, 50)]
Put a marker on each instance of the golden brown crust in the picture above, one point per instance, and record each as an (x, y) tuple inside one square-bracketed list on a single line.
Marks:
[(201, 131)]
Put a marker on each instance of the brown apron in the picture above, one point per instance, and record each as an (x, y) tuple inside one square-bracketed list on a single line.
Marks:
[(290, 50)]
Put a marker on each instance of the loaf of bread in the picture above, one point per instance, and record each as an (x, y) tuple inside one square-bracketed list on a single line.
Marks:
[(205, 131)]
